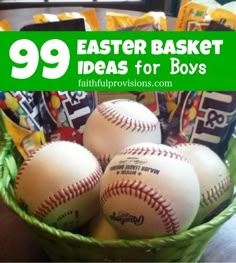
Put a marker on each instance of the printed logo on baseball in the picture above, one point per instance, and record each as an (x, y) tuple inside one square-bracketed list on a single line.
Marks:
[(149, 190), (116, 124), (215, 182), (59, 184)]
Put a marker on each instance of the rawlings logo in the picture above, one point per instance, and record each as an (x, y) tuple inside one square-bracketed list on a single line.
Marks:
[(124, 217)]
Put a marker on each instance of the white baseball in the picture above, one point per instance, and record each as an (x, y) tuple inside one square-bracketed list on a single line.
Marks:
[(215, 182), (59, 184), (149, 190), (116, 124)]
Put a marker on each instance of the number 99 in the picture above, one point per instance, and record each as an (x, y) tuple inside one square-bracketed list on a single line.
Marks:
[(25, 53)]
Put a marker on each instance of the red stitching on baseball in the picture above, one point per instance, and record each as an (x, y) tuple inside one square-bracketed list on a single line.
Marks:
[(153, 151), (104, 159), (63, 195), (111, 114), (68, 193), (155, 200), (185, 144), (215, 192), (24, 165)]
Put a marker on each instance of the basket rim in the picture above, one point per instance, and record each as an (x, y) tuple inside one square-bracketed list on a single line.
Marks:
[(189, 233), (214, 223)]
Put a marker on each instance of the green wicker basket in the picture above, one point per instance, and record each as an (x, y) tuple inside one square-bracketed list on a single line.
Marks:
[(187, 246)]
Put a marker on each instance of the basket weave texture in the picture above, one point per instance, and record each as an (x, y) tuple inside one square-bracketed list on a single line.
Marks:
[(186, 246)]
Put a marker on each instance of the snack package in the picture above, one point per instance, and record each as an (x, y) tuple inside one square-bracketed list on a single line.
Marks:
[(201, 117), (155, 101), (5, 26), (63, 114), (198, 17), (22, 120), (90, 16), (225, 17), (151, 21), (44, 18), (193, 17), (209, 3)]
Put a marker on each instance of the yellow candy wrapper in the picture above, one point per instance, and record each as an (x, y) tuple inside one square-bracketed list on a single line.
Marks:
[(193, 17), (225, 17), (90, 16), (151, 21), (5, 26), (197, 17), (26, 141), (208, 3), (44, 18), (73, 15), (22, 120)]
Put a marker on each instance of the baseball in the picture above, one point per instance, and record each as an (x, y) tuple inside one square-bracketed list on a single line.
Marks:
[(149, 190), (215, 182), (116, 124), (59, 184)]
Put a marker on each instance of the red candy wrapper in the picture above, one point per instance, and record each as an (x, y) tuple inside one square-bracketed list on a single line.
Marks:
[(202, 117), (63, 114)]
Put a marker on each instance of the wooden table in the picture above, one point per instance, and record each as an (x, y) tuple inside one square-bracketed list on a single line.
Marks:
[(18, 244)]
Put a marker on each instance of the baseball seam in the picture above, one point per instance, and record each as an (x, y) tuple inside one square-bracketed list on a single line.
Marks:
[(24, 165), (185, 144), (64, 195), (127, 123), (104, 159), (67, 194), (213, 194), (27, 161), (153, 151), (153, 199)]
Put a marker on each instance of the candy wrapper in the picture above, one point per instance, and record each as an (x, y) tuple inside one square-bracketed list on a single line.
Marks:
[(201, 117), (44, 18), (22, 120), (225, 17), (193, 17), (151, 21), (198, 17), (63, 114), (155, 101), (208, 3), (89, 16), (5, 26)]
